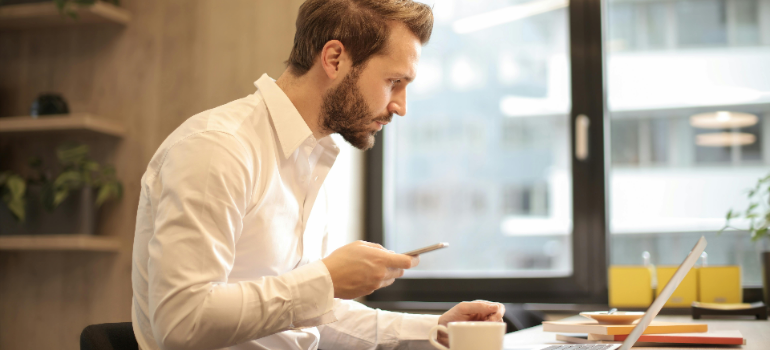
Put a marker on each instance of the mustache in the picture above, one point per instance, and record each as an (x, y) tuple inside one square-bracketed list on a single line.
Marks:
[(385, 118)]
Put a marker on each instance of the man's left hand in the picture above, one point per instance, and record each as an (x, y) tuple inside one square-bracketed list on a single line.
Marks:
[(479, 310)]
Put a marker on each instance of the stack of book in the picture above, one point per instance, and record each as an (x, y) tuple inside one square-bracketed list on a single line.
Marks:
[(592, 332)]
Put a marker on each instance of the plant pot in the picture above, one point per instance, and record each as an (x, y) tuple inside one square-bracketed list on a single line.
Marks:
[(17, 2), (75, 215), (766, 277)]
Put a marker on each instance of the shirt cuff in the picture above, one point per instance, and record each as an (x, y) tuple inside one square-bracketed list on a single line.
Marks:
[(416, 327), (312, 295)]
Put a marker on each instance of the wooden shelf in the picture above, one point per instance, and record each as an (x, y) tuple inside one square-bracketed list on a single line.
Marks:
[(80, 121), (46, 14), (59, 243)]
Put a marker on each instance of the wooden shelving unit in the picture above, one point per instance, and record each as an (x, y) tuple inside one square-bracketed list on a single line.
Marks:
[(56, 123), (81, 121), (59, 243), (46, 14)]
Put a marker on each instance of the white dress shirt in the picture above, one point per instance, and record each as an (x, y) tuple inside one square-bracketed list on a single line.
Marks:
[(228, 243)]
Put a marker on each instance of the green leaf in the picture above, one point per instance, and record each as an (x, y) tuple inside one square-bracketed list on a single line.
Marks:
[(91, 166), (60, 196), (69, 154), (108, 191), (14, 198), (752, 206), (108, 172), (759, 234), (730, 215), (105, 192), (71, 179), (16, 186), (16, 206)]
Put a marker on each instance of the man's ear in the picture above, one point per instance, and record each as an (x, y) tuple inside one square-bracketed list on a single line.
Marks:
[(333, 59)]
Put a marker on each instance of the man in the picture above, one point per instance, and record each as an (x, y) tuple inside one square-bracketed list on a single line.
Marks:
[(229, 250)]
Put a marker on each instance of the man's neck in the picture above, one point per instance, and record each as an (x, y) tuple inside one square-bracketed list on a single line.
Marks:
[(307, 96)]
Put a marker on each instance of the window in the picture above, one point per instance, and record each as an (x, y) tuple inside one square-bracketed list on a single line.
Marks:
[(484, 161), (668, 183)]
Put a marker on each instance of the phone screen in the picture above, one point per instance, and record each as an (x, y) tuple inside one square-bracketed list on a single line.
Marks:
[(429, 248)]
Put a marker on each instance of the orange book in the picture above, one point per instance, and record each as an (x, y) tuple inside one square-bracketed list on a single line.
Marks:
[(733, 337), (594, 327)]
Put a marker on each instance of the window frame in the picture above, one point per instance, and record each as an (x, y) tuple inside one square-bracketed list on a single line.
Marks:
[(588, 283)]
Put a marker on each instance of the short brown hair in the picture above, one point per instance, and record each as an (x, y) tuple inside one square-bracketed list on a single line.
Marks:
[(361, 25)]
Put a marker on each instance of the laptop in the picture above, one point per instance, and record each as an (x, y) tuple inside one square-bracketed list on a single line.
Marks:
[(653, 311)]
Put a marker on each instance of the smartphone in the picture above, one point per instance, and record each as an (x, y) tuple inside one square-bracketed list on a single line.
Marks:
[(429, 248)]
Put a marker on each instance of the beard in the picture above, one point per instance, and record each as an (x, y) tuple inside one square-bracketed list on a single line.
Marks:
[(346, 112)]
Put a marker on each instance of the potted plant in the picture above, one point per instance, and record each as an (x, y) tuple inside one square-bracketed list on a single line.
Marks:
[(758, 215), (62, 203), (66, 7)]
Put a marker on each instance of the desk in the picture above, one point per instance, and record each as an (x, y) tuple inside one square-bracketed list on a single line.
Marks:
[(757, 333)]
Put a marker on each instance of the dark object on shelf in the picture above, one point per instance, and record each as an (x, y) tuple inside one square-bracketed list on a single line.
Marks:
[(758, 310), (47, 104), (108, 336)]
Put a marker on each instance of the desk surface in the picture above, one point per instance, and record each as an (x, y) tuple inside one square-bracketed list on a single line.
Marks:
[(757, 334)]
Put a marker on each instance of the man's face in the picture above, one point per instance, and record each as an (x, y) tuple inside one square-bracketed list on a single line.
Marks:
[(366, 99)]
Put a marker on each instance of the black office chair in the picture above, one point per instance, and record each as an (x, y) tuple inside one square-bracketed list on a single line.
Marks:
[(108, 336), (517, 317)]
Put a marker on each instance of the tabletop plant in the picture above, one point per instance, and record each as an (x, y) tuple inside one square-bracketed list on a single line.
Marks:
[(69, 7), (758, 211), (77, 171)]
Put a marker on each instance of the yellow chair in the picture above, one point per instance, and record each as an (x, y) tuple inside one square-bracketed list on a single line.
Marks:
[(686, 293), (720, 284), (630, 286)]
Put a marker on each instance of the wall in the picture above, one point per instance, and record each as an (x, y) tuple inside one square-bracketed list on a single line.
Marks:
[(176, 58)]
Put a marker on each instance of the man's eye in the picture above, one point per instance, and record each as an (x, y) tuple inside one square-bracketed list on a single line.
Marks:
[(394, 81)]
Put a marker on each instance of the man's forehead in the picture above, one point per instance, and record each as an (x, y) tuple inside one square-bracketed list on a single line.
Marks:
[(402, 53)]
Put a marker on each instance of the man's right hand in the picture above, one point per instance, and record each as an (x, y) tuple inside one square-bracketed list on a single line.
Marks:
[(360, 268)]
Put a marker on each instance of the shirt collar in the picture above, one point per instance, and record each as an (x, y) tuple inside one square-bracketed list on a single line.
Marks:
[(289, 125)]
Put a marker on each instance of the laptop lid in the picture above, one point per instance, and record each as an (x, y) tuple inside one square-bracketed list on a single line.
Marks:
[(654, 309)]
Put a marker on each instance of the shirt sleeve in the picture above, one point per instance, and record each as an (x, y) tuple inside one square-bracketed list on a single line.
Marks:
[(207, 181), (361, 327)]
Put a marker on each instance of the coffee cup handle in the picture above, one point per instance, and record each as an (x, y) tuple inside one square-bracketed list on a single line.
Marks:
[(433, 335)]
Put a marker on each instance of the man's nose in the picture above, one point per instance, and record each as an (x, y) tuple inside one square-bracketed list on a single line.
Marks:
[(398, 104)]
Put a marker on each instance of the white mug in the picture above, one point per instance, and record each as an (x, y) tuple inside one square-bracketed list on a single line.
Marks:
[(471, 335)]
